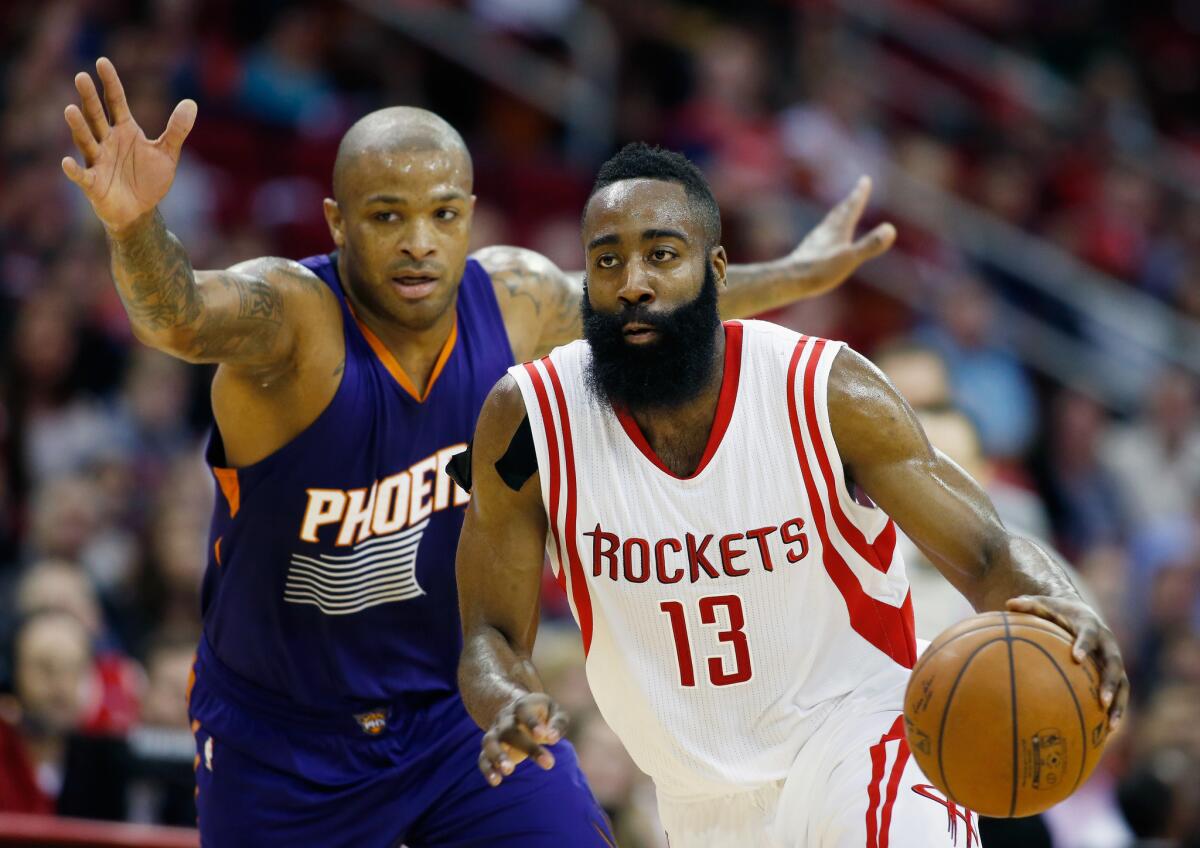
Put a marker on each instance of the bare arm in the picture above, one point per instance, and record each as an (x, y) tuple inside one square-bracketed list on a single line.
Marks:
[(246, 316), (824, 260), (239, 316), (950, 518), (499, 566), (540, 302)]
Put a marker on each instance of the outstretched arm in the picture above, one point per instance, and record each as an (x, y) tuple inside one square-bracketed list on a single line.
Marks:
[(540, 302), (238, 316), (499, 567), (824, 260), (950, 518)]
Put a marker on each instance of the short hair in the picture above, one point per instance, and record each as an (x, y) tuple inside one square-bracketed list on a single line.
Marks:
[(640, 161)]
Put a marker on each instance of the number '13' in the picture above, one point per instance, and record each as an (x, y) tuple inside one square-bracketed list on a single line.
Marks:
[(734, 635)]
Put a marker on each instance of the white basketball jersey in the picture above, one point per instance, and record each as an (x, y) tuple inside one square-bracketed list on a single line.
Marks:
[(726, 614)]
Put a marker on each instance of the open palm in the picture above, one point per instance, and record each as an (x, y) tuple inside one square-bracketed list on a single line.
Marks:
[(831, 250), (126, 174)]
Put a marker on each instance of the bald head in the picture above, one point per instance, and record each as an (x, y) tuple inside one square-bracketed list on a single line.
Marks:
[(397, 129)]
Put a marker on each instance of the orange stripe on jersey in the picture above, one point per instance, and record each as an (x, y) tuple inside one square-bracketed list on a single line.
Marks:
[(217, 549), (227, 479), (394, 368)]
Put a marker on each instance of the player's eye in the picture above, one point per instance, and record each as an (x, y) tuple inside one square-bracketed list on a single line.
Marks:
[(662, 254), (606, 260), (385, 217), (446, 214)]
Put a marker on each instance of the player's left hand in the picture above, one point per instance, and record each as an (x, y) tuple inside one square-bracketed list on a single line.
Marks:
[(1092, 638), (518, 732), (829, 253)]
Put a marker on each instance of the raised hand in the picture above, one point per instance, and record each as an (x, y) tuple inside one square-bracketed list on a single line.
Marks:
[(125, 174), (830, 253)]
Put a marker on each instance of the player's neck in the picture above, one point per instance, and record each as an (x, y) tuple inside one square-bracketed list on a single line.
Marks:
[(679, 434), (416, 351)]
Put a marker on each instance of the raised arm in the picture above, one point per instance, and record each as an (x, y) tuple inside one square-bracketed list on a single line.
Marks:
[(240, 316), (540, 302), (824, 260), (950, 518), (500, 556)]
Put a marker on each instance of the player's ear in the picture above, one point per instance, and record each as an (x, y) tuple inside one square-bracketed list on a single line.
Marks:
[(720, 263), (333, 218)]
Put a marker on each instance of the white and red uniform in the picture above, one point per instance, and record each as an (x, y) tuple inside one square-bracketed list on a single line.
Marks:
[(748, 629)]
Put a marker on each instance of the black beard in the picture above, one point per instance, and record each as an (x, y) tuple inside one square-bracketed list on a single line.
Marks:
[(672, 370)]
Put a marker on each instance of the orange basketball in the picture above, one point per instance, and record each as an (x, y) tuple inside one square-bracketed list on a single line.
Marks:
[(1000, 716)]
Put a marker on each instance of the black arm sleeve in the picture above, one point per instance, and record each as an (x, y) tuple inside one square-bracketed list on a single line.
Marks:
[(518, 464)]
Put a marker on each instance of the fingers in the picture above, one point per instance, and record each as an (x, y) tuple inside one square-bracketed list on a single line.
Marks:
[(520, 740), (1120, 703), (1035, 606), (1112, 668), (114, 92), (846, 214), (178, 126), (93, 111), (494, 761), (1091, 639), (545, 720), (874, 243), (76, 174), (81, 134)]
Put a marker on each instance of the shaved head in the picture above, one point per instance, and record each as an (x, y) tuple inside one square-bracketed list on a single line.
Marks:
[(397, 129)]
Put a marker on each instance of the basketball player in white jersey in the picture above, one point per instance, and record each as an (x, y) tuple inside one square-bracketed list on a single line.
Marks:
[(720, 504)]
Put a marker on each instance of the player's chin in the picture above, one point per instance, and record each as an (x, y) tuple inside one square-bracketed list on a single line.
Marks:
[(421, 313)]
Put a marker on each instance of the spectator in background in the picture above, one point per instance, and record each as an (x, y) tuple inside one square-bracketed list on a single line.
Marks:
[(69, 521), (618, 785), (832, 137), (116, 682), (1083, 496), (47, 766), (988, 382), (1156, 458)]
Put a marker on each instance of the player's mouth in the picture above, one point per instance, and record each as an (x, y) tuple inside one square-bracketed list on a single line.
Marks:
[(636, 333), (414, 286)]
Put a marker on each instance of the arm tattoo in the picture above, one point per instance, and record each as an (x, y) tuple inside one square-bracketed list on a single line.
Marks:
[(154, 278), (250, 331), (226, 316), (532, 283)]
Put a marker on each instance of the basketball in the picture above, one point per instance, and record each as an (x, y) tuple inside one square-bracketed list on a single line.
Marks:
[(1001, 718)]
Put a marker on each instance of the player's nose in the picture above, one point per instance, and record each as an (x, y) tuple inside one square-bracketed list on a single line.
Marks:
[(418, 242), (635, 287)]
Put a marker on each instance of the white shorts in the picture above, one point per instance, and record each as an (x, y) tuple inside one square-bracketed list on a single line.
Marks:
[(853, 785)]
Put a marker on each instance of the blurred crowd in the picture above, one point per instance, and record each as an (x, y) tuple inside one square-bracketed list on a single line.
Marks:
[(104, 500)]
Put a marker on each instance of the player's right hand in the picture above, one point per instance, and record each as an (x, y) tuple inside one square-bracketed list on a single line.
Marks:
[(519, 731), (125, 174)]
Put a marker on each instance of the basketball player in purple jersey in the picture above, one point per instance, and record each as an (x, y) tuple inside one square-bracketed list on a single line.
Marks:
[(324, 704)]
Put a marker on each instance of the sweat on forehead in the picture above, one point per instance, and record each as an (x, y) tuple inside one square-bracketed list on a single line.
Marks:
[(398, 129), (648, 204)]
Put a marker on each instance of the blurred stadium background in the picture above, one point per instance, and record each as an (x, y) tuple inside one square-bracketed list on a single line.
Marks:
[(1041, 310)]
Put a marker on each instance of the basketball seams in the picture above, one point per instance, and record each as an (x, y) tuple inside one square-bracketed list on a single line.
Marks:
[(934, 647), (946, 711), (1083, 735), (1012, 691)]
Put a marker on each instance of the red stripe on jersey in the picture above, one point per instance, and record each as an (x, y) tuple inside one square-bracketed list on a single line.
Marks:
[(885, 819), (878, 755), (889, 629), (878, 553), (725, 403), (579, 589), (552, 441), (879, 826)]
